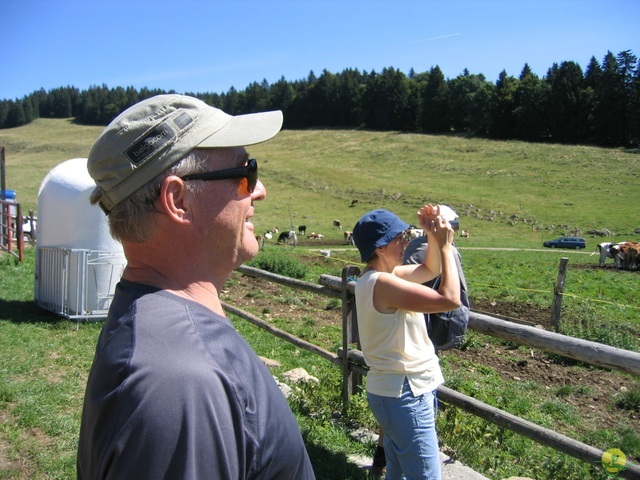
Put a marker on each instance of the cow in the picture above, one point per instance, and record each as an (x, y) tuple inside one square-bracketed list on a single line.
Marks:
[(314, 235), (354, 202), (348, 238), (464, 233), (302, 229), (618, 255), (627, 253), (633, 256), (624, 254), (288, 237), (337, 224), (268, 235), (604, 249)]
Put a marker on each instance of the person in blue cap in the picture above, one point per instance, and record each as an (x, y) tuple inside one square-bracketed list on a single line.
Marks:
[(404, 371)]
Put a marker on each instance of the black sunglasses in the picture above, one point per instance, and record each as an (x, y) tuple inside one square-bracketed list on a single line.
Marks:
[(250, 172)]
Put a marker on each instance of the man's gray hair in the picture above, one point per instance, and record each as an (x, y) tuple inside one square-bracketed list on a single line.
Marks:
[(132, 219)]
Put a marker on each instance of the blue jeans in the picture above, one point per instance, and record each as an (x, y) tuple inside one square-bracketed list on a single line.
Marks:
[(410, 440)]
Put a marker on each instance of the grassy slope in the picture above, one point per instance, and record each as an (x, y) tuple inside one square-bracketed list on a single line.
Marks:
[(312, 177)]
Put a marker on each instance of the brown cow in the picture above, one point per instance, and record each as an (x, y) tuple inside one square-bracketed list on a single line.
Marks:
[(634, 256), (625, 254), (629, 255)]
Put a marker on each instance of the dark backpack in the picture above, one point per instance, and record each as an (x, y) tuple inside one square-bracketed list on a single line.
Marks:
[(446, 330)]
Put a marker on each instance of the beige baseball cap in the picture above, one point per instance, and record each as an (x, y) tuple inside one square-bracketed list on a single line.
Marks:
[(149, 137)]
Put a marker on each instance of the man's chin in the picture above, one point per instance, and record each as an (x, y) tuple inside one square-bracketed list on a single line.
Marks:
[(248, 251)]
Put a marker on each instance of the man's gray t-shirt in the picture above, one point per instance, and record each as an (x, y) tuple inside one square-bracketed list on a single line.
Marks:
[(176, 393)]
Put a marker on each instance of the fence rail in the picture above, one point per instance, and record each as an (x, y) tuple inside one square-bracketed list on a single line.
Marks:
[(354, 367)]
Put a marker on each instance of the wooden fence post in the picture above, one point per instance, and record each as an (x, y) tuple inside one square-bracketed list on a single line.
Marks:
[(350, 380), (557, 294)]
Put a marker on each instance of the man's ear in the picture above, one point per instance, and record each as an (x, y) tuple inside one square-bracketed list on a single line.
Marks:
[(175, 199)]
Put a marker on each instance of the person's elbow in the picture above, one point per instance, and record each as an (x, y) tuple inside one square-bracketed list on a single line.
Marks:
[(453, 302)]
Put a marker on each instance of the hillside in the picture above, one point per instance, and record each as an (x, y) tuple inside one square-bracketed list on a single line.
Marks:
[(512, 192)]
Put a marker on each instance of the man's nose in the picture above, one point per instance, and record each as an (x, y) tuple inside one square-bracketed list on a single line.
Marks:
[(260, 192)]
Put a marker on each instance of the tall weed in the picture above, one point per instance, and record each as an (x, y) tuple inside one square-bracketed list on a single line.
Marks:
[(275, 261)]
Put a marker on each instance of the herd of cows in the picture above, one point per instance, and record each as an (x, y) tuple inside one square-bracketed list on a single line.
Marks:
[(625, 255), (290, 237)]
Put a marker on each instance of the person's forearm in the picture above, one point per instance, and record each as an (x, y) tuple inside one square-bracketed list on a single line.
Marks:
[(432, 260), (449, 281)]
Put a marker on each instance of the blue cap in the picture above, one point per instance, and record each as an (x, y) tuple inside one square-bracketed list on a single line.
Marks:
[(376, 229)]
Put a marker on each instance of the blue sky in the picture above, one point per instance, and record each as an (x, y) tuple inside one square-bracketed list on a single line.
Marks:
[(212, 45)]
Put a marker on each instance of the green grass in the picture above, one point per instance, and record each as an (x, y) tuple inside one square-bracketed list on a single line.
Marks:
[(509, 194), (629, 399), (512, 193), (44, 363)]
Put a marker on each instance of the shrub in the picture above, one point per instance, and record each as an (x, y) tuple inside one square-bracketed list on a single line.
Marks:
[(278, 262)]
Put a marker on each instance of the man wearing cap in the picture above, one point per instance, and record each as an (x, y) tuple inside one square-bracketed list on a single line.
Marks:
[(174, 391), (404, 371)]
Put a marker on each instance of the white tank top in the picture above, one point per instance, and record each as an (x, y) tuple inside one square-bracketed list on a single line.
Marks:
[(395, 345)]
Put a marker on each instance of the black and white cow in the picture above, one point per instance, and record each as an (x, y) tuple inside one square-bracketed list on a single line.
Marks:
[(605, 251), (288, 237)]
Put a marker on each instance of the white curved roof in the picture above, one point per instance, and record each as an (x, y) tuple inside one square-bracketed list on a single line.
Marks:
[(65, 216)]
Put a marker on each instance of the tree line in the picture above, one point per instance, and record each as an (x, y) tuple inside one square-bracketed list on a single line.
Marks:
[(598, 106)]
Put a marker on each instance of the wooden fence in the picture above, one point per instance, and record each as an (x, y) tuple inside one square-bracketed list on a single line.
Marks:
[(354, 368), (11, 229), (11, 226)]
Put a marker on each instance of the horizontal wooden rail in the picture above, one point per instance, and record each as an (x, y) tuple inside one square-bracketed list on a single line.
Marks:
[(282, 334), (539, 434), (593, 353), (290, 282), (586, 351)]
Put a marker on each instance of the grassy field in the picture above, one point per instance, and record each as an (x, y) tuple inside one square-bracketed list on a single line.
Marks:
[(509, 194)]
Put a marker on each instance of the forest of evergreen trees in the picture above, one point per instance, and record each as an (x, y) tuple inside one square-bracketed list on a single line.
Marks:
[(597, 106)]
